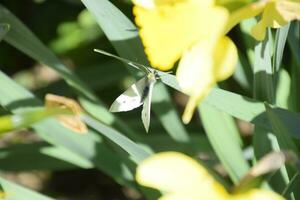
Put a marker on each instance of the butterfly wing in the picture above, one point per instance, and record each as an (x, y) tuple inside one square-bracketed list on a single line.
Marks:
[(147, 104), (131, 98)]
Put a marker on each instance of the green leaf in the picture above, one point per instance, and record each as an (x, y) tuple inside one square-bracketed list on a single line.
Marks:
[(243, 73), (124, 37), (167, 114), (251, 110), (137, 153), (25, 119), (294, 44), (283, 91), (162, 142), (43, 155), (248, 40), (292, 185), (264, 90), (280, 130), (293, 40), (3, 30), (13, 191), (224, 138), (282, 141), (264, 85), (280, 41)]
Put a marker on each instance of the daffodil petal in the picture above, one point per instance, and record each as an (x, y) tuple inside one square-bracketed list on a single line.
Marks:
[(179, 196), (225, 57), (195, 75), (259, 31), (289, 10), (257, 194), (195, 69), (195, 195), (148, 4), (193, 103), (271, 18), (172, 2), (164, 41), (175, 173), (245, 12)]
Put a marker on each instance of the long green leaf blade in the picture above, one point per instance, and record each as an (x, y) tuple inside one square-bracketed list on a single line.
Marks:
[(293, 40), (136, 152), (280, 41), (280, 130), (13, 191), (3, 30), (26, 119), (43, 155), (221, 132)]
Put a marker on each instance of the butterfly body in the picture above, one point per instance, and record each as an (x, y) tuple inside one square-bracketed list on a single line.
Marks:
[(148, 91)]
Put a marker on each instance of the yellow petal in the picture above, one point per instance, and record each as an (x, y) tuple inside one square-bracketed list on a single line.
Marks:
[(172, 2), (196, 195), (195, 69), (289, 10), (180, 196), (270, 18), (177, 174), (192, 104), (170, 30), (195, 75), (148, 4), (245, 12), (257, 194), (225, 57)]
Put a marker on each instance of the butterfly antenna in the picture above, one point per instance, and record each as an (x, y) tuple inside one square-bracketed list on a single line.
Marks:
[(129, 62)]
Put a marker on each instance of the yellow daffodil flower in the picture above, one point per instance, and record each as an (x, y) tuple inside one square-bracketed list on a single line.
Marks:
[(180, 177), (170, 27), (193, 31), (275, 14)]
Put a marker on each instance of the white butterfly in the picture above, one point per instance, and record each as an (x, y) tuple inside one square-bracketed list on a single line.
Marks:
[(139, 93)]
